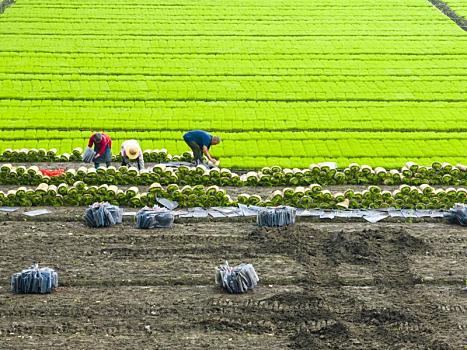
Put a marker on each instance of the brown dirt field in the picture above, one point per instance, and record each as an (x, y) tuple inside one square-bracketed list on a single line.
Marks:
[(322, 286)]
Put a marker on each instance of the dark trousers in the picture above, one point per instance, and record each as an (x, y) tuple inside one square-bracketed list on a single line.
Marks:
[(197, 152), (105, 158), (126, 161)]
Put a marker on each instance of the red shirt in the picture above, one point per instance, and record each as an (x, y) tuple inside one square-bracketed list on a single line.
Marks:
[(103, 145)]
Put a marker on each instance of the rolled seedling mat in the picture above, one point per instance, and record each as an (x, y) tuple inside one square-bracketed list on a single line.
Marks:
[(34, 280), (103, 215), (238, 279), (274, 217), (458, 214), (88, 155), (148, 218)]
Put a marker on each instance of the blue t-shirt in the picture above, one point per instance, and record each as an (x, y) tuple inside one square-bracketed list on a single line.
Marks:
[(202, 138)]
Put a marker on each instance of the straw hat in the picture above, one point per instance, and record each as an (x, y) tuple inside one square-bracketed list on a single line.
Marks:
[(131, 149)]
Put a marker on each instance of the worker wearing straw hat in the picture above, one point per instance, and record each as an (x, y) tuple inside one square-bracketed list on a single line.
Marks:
[(200, 141), (131, 152), (103, 148)]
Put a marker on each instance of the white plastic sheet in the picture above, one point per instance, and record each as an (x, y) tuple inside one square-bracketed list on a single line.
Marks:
[(37, 212), (368, 215), (215, 214), (375, 217), (171, 205), (8, 209)]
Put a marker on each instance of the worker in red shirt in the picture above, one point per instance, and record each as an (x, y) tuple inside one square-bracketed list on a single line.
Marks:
[(103, 148)]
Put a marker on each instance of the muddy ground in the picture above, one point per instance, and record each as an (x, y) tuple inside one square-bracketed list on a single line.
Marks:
[(322, 286)]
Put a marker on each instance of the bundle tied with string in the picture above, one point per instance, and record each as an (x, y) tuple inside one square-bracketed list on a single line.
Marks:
[(274, 217), (457, 214), (88, 155), (238, 279), (103, 215), (34, 280), (156, 217)]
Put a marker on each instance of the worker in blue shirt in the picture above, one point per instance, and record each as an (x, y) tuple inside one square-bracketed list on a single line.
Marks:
[(200, 141)]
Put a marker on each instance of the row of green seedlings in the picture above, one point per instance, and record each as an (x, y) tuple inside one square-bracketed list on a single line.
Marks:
[(411, 174), (405, 197), (355, 174), (43, 155), (79, 194)]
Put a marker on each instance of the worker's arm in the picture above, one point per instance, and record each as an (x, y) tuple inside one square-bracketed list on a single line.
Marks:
[(206, 153), (125, 159), (140, 162), (102, 148), (122, 152), (91, 141)]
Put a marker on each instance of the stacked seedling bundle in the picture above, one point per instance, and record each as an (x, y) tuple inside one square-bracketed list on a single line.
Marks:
[(155, 217), (34, 280), (276, 217), (103, 215), (237, 279), (458, 214), (88, 155)]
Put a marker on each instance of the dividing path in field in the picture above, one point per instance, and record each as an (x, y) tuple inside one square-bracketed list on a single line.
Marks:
[(282, 82), (459, 8)]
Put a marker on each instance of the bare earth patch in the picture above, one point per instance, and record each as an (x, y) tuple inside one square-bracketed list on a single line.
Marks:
[(322, 286)]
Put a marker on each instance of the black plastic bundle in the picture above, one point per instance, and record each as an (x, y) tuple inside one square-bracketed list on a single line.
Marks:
[(34, 280), (103, 215), (238, 279), (274, 217), (458, 214), (154, 218), (88, 155)]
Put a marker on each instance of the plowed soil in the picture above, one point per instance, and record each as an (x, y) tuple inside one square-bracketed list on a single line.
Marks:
[(322, 286)]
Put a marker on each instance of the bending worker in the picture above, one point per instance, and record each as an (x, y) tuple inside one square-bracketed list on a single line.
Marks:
[(131, 152), (200, 141), (103, 148)]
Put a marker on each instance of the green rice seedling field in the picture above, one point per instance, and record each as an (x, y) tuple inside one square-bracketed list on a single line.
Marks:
[(372, 252), (283, 83)]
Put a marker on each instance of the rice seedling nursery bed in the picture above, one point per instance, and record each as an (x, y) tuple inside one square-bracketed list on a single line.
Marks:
[(379, 83), (377, 87)]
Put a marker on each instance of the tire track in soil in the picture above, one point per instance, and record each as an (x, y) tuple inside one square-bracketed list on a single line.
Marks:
[(389, 253)]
